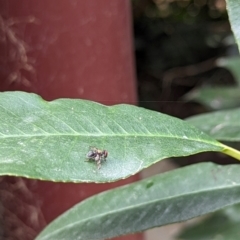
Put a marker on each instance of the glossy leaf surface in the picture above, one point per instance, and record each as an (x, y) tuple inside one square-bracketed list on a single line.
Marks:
[(222, 125), (50, 140), (166, 198)]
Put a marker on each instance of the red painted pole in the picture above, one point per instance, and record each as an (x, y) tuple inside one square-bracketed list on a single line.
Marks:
[(75, 49)]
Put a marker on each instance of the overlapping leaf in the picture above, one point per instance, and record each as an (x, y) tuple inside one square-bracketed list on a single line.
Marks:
[(167, 198), (214, 97), (222, 125)]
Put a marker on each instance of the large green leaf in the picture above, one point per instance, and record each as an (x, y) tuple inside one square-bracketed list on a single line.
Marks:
[(49, 140), (222, 125), (233, 8), (166, 198)]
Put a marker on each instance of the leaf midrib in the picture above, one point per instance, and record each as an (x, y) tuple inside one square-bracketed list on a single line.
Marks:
[(106, 135)]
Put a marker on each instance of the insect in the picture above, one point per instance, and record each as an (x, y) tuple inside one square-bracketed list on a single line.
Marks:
[(97, 155)]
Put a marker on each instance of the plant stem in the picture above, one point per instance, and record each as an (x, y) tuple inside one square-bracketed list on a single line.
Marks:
[(231, 152)]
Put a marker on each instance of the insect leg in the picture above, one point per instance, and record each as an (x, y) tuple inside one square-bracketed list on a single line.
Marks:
[(99, 164)]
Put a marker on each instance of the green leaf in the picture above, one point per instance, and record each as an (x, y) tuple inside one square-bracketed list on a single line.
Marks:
[(222, 225), (222, 125), (215, 98), (233, 65), (50, 140), (233, 8), (163, 199)]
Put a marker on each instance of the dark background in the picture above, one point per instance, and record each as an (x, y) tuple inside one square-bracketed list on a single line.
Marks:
[(177, 44)]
